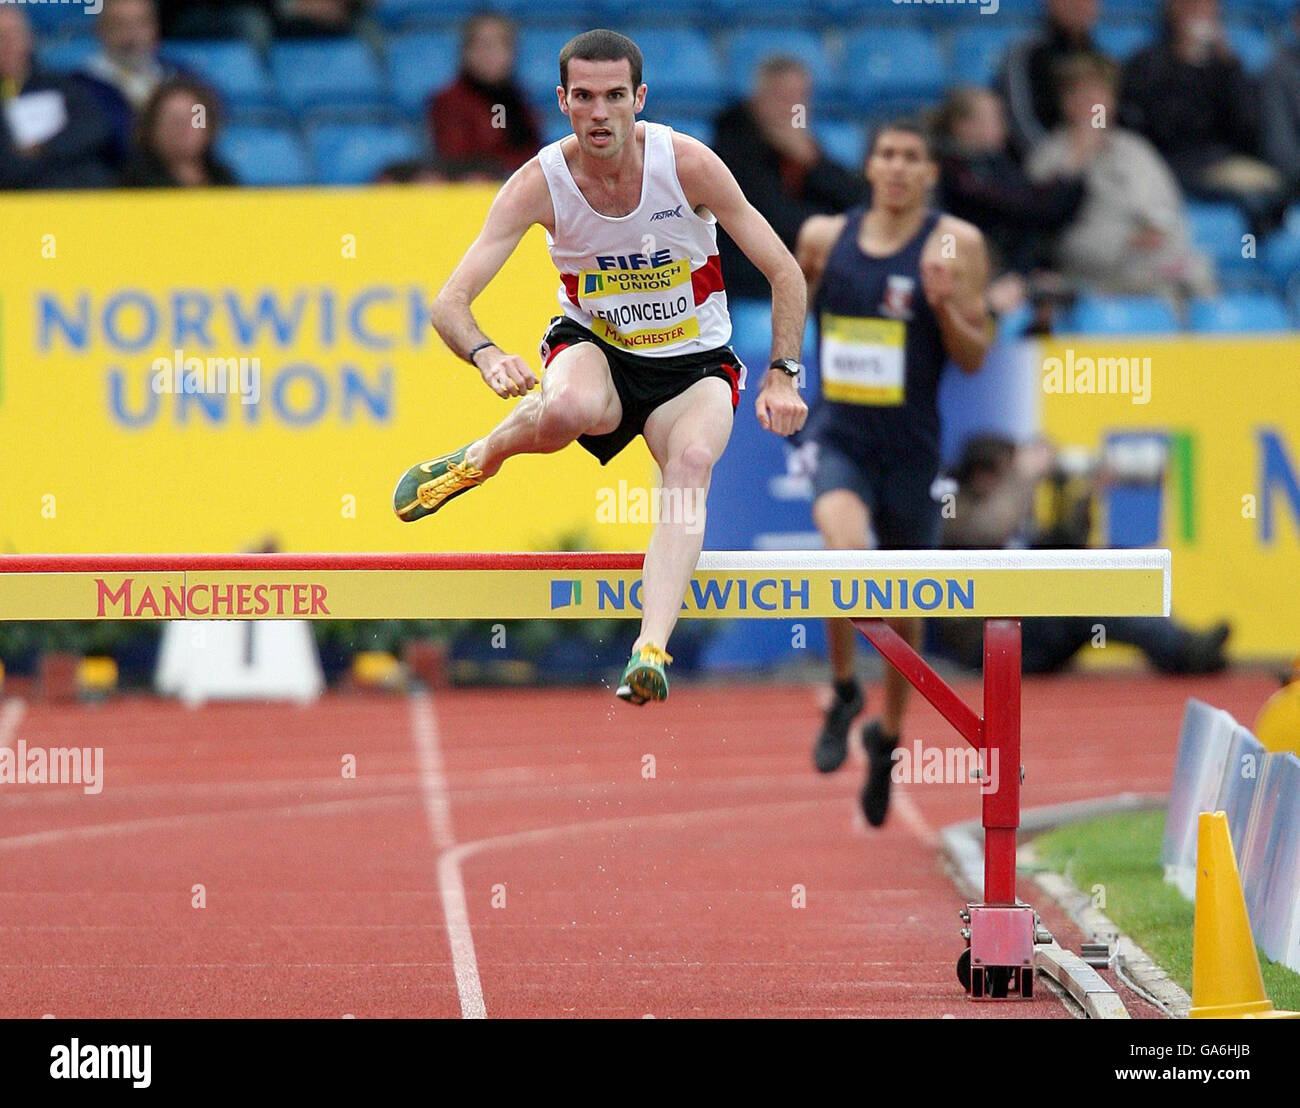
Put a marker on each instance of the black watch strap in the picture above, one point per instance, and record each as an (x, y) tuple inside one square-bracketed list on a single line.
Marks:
[(480, 346), (788, 366)]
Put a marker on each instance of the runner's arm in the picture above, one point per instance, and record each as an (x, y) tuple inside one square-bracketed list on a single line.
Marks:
[(708, 182), (522, 201), (957, 290)]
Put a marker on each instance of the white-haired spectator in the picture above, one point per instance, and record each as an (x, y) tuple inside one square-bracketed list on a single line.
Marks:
[(1131, 234)]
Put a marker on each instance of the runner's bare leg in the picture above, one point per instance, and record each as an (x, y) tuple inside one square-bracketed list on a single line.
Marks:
[(686, 436), (577, 397)]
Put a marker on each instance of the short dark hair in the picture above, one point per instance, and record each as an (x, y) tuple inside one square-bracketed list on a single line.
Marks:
[(982, 454), (908, 125), (601, 45)]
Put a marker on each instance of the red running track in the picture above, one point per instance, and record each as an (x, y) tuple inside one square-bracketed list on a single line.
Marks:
[(615, 895)]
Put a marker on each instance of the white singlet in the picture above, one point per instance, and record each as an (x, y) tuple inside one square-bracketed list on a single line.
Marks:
[(649, 282)]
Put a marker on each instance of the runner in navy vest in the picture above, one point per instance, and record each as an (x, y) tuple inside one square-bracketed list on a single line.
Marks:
[(899, 291), (630, 211)]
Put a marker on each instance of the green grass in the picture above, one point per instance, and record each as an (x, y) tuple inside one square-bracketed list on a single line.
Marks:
[(1122, 853)]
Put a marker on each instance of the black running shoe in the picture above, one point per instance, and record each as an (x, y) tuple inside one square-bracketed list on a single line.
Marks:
[(833, 743), (880, 765)]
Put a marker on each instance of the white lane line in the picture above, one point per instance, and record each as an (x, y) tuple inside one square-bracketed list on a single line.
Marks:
[(911, 816), (437, 806), (11, 715), (189, 819)]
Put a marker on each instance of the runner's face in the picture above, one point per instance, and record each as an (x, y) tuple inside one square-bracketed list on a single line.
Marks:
[(601, 104), (900, 171)]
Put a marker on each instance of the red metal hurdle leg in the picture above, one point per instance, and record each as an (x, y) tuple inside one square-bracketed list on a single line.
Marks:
[(999, 962)]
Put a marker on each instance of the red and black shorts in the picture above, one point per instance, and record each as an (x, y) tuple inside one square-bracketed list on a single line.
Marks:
[(642, 383)]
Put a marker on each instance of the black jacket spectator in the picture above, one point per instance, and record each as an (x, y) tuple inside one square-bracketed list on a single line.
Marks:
[(1027, 80), (1195, 115), (1280, 101), (80, 156), (785, 192)]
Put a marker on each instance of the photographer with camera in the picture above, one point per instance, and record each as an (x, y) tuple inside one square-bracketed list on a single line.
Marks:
[(997, 484)]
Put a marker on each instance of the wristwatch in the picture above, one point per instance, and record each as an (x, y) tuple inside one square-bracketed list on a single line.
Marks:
[(788, 366)]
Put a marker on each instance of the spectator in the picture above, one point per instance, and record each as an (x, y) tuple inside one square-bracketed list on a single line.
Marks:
[(127, 70), (316, 18), (1130, 235), (766, 143), (174, 147), (483, 115), (982, 183), (1190, 96), (52, 134), (1027, 80), (1280, 102), (250, 19), (996, 487)]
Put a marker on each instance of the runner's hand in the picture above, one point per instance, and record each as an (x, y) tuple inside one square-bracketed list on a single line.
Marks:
[(506, 374), (781, 409)]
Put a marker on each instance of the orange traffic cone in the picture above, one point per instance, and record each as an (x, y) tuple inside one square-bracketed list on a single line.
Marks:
[(1226, 982)]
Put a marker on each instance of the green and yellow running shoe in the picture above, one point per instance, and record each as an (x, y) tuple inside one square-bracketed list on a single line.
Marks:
[(425, 488), (644, 678)]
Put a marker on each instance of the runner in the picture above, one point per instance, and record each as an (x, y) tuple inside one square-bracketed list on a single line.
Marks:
[(899, 289), (630, 210)]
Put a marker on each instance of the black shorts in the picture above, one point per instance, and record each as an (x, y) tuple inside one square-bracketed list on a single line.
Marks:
[(642, 383), (904, 513)]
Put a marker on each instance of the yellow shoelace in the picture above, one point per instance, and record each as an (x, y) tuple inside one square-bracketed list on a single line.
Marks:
[(457, 474), (652, 653)]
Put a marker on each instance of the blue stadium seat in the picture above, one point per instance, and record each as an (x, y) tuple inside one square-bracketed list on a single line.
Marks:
[(67, 55), (893, 62), (421, 63), (397, 15), (1120, 315), (537, 62), (697, 126), (681, 71), (530, 14), (355, 153), (1254, 47), (60, 19), (234, 69), (1122, 40), (1217, 229), (748, 47), (844, 141), (977, 52), (1280, 255), (1240, 312), (1128, 11), (265, 155), (328, 73), (767, 13), (555, 124)]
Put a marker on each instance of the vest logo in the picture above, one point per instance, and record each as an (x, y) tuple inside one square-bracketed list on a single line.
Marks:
[(593, 285), (897, 303), (668, 213)]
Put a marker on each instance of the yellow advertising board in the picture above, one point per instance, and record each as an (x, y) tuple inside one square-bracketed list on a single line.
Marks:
[(1225, 416), (326, 293)]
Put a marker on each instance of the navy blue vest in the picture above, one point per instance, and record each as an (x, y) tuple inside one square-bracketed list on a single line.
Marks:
[(855, 284)]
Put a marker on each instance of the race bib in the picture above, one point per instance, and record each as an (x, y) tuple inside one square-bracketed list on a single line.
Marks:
[(862, 360), (640, 309)]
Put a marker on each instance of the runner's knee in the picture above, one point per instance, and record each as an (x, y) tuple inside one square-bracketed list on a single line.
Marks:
[(691, 466), (568, 409)]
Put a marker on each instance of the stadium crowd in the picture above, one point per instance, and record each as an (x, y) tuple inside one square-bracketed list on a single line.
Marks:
[(1082, 171)]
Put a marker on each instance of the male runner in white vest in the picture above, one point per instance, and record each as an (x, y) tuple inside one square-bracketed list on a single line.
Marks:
[(640, 348)]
